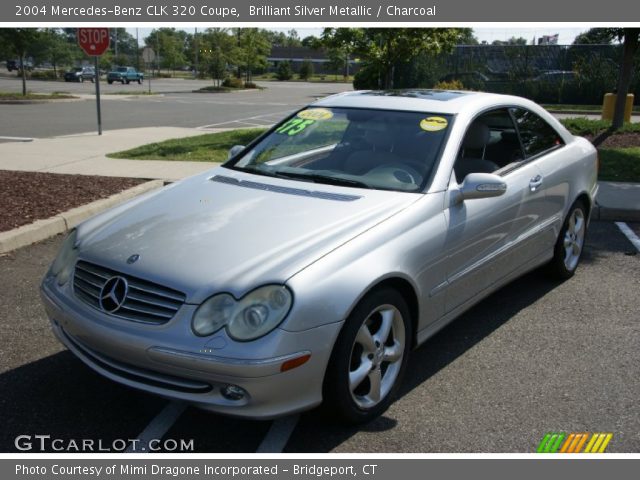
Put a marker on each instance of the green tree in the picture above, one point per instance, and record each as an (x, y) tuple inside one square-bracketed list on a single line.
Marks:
[(53, 46), (383, 48), (21, 42), (218, 52), (594, 36), (170, 46), (253, 48), (630, 38), (306, 69), (511, 41)]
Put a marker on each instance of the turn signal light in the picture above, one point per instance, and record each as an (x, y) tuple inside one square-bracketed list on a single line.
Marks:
[(295, 362)]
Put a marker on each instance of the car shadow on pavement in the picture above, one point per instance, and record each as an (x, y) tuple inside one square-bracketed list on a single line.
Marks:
[(61, 397), (438, 352)]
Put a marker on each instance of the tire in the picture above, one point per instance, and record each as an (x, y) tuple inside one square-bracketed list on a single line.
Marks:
[(363, 354), (81, 79), (139, 81), (109, 82), (122, 81), (570, 244)]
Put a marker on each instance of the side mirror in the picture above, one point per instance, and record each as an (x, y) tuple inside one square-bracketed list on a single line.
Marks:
[(235, 150), (482, 185)]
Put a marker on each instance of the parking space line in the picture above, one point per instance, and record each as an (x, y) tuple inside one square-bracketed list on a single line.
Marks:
[(242, 120), (158, 426), (630, 234), (278, 435)]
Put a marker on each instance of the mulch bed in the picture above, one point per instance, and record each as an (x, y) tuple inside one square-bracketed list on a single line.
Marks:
[(29, 196), (620, 140)]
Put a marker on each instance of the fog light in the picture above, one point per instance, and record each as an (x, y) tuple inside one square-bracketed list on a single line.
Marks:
[(233, 392)]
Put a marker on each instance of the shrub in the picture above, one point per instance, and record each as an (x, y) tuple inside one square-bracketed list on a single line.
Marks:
[(284, 71), (449, 85), (250, 85), (42, 75), (233, 82), (306, 70)]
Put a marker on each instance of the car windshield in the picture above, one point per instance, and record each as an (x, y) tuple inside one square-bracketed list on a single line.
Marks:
[(122, 69), (78, 69), (365, 148)]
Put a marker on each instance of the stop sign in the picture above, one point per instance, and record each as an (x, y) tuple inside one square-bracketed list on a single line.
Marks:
[(94, 41)]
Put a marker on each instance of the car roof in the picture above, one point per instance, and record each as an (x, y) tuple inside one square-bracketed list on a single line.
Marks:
[(417, 100)]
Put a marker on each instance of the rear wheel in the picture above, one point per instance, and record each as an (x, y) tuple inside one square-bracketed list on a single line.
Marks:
[(139, 81), (570, 244), (369, 358)]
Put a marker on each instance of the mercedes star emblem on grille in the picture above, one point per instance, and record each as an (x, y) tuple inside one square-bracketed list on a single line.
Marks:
[(113, 294)]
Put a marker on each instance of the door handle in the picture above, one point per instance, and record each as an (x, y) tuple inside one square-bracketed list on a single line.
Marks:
[(535, 183)]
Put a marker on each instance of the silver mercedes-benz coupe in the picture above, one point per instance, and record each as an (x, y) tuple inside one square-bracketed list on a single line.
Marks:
[(307, 267)]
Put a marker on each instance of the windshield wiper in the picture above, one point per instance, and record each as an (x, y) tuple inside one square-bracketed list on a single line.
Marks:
[(328, 179)]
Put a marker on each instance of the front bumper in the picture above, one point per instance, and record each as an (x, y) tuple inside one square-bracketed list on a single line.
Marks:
[(164, 361)]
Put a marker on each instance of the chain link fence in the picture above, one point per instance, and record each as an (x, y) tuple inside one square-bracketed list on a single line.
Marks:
[(569, 74)]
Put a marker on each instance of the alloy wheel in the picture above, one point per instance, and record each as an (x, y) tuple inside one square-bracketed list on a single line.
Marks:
[(376, 356)]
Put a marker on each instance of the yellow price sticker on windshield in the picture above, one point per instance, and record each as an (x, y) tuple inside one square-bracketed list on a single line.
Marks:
[(315, 114), (433, 124)]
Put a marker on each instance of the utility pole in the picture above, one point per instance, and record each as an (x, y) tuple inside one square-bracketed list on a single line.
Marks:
[(115, 30), (137, 50), (195, 44)]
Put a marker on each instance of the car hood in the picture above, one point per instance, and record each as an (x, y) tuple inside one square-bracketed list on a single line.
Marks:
[(230, 231)]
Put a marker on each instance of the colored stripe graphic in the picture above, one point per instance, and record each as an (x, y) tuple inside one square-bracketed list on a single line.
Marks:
[(560, 442)]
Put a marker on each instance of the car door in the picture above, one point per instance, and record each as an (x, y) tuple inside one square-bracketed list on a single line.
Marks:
[(543, 146), (486, 237)]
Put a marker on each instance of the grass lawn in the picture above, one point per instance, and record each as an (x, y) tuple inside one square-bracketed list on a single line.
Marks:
[(580, 108), (34, 96), (211, 147), (585, 126), (620, 164), (316, 78)]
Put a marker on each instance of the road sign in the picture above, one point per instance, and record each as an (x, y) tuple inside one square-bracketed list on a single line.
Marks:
[(94, 41), (148, 55)]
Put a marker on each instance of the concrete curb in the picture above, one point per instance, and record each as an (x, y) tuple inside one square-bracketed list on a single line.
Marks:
[(35, 101), (615, 214), (43, 229)]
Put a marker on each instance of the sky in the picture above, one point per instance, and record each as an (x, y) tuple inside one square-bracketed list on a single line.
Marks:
[(566, 34)]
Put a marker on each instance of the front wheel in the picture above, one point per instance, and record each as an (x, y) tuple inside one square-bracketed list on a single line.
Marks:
[(570, 243), (369, 357)]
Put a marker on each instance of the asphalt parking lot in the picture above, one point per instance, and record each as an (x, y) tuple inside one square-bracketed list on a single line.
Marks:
[(175, 106), (536, 356)]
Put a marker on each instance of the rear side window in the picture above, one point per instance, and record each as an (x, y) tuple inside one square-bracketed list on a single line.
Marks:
[(536, 134)]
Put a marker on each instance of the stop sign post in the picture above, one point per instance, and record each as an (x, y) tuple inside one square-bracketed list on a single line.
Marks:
[(94, 42)]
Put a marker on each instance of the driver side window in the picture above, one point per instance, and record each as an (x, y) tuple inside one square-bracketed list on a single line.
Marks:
[(490, 143)]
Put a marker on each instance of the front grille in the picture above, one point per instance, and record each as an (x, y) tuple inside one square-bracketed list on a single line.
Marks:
[(145, 302)]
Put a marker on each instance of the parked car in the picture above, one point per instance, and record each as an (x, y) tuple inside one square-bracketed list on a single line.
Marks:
[(80, 74), (307, 267), (16, 65), (557, 76), (124, 75)]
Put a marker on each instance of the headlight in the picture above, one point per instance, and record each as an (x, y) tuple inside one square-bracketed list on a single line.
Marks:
[(251, 317), (63, 264)]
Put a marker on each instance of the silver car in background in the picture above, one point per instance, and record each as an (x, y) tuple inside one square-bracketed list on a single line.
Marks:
[(307, 267)]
